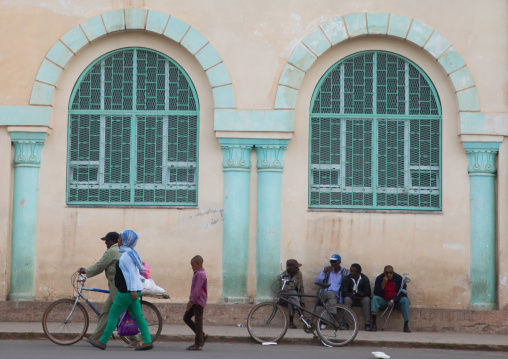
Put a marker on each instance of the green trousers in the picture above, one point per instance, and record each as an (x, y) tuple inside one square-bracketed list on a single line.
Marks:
[(103, 319), (124, 301)]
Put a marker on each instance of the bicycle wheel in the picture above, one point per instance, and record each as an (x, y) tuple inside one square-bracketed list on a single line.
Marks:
[(267, 322), (344, 329), (62, 325), (153, 319)]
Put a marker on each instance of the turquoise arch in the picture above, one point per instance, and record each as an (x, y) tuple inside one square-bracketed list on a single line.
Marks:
[(349, 26), (133, 19)]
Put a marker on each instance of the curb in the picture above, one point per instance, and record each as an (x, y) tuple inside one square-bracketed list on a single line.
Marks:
[(292, 341)]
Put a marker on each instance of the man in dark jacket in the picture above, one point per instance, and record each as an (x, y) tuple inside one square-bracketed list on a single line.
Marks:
[(387, 292), (356, 291)]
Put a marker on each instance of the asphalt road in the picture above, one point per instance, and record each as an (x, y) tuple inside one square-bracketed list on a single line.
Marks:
[(43, 349)]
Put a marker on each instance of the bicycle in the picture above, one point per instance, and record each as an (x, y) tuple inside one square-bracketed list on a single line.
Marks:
[(267, 321), (66, 321)]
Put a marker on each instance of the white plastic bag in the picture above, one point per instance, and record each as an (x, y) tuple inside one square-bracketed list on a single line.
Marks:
[(150, 288)]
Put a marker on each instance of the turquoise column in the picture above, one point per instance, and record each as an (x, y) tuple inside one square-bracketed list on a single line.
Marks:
[(235, 237), (270, 163), (482, 173), (27, 160)]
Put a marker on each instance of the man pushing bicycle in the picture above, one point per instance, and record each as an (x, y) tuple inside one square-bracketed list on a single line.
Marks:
[(107, 264)]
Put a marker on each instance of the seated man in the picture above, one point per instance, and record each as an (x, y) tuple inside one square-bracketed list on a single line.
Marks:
[(335, 275), (356, 291), (387, 292), (295, 287)]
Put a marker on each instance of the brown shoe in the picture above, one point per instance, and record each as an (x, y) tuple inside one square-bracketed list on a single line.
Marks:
[(147, 346), (97, 344)]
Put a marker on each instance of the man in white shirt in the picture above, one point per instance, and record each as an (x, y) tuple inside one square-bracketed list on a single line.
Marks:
[(356, 291)]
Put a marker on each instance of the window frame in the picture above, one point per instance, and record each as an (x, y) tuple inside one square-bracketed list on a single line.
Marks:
[(135, 116), (375, 117)]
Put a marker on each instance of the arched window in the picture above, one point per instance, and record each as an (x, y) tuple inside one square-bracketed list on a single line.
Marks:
[(133, 132), (375, 136)]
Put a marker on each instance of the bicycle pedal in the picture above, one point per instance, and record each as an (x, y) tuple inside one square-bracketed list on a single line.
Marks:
[(304, 320)]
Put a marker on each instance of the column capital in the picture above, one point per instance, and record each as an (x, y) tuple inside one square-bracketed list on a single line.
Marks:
[(236, 157), (481, 158), (27, 147), (270, 154)]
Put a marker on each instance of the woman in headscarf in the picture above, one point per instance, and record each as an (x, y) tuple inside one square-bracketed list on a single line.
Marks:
[(129, 288)]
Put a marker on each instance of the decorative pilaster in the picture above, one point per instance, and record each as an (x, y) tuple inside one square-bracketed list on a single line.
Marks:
[(482, 173), (27, 160), (235, 237), (270, 164)]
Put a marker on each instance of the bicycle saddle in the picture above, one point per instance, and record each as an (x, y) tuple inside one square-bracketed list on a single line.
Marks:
[(324, 285)]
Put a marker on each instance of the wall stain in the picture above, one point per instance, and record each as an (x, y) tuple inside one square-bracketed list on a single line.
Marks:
[(323, 234)]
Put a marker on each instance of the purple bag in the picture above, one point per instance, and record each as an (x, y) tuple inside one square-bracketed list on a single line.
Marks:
[(127, 326)]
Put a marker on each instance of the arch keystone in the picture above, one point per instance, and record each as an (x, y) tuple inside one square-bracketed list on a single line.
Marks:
[(377, 23), (135, 19)]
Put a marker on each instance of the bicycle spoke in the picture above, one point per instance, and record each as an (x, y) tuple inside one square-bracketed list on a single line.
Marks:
[(344, 327), (63, 326), (267, 323)]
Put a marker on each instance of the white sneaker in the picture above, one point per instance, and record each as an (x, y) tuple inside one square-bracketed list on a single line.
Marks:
[(323, 326)]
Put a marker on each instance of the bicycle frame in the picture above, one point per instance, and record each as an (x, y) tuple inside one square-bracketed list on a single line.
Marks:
[(81, 295), (281, 296)]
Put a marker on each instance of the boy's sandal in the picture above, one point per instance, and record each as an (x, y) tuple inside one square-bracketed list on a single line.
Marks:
[(292, 326), (194, 347), (133, 346)]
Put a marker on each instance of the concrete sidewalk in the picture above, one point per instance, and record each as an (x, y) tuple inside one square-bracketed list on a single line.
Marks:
[(172, 332)]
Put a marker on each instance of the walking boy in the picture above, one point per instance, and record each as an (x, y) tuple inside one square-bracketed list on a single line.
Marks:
[(197, 302)]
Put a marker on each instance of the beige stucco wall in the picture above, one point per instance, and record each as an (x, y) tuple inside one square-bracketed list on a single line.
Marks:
[(255, 41)]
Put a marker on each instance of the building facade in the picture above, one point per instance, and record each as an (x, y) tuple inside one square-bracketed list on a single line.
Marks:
[(254, 133)]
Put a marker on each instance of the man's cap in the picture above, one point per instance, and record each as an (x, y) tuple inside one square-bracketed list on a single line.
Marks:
[(112, 236), (334, 257), (293, 263)]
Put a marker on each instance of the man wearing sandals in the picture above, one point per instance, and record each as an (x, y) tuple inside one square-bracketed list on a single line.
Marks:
[(293, 288), (335, 275), (107, 264), (197, 302)]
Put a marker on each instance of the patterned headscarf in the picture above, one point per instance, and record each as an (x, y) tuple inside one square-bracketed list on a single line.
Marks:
[(129, 241)]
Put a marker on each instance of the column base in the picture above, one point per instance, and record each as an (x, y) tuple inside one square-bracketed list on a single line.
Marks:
[(234, 300), (14, 297), (258, 300), (482, 306)]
